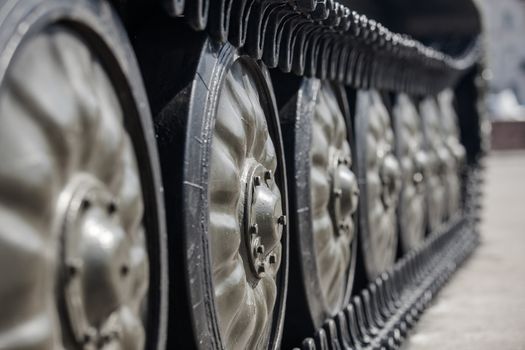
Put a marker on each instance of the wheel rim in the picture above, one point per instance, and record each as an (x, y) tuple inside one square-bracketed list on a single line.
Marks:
[(334, 196), (438, 158), (413, 162), (246, 214), (78, 203), (455, 148), (380, 183)]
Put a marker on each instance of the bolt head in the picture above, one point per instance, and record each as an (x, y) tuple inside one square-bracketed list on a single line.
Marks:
[(112, 208), (261, 269), (268, 177)]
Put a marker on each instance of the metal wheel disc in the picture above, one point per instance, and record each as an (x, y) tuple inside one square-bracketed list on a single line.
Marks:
[(334, 196), (438, 159), (413, 162), (380, 183), (247, 214), (450, 131), (75, 237)]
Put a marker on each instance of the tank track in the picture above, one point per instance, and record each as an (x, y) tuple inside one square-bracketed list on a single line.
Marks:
[(384, 313), (319, 41), (327, 40)]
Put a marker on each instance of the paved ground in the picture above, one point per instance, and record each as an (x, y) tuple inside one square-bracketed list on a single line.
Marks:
[(483, 307)]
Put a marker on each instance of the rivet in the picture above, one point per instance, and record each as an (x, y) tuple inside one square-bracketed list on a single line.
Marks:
[(338, 192), (124, 270), (112, 208), (260, 249), (257, 181), (87, 338), (254, 229), (72, 269), (272, 259), (261, 269), (86, 204), (268, 175)]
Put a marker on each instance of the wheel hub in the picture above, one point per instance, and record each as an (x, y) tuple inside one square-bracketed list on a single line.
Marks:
[(95, 264), (265, 219), (344, 195), (390, 177), (421, 164)]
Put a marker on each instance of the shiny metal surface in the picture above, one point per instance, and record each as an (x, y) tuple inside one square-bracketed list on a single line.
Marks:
[(413, 161), (451, 135), (246, 221), (71, 204), (334, 196), (379, 181), (438, 160)]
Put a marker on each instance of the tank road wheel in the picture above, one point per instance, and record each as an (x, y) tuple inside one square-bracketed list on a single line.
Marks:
[(232, 231), (325, 199), (438, 159), (413, 162), (247, 212), (82, 241), (456, 149), (379, 177)]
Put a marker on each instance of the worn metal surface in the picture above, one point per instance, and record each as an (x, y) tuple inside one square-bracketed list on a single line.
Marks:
[(326, 40), (246, 216), (413, 162), (72, 205), (438, 160), (334, 196), (379, 178)]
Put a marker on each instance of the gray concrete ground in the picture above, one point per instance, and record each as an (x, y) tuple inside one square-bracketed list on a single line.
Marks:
[(483, 306)]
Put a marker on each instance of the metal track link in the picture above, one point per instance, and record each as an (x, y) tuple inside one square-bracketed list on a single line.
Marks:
[(383, 314), (327, 40)]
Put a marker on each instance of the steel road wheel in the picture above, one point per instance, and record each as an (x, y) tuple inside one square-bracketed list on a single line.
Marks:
[(413, 162), (325, 199), (81, 241), (456, 149), (246, 213), (224, 174), (334, 196), (379, 177), (438, 158)]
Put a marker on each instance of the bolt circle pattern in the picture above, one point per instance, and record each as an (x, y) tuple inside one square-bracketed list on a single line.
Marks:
[(245, 205), (380, 183), (56, 140), (334, 196), (413, 162), (455, 148), (438, 160)]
